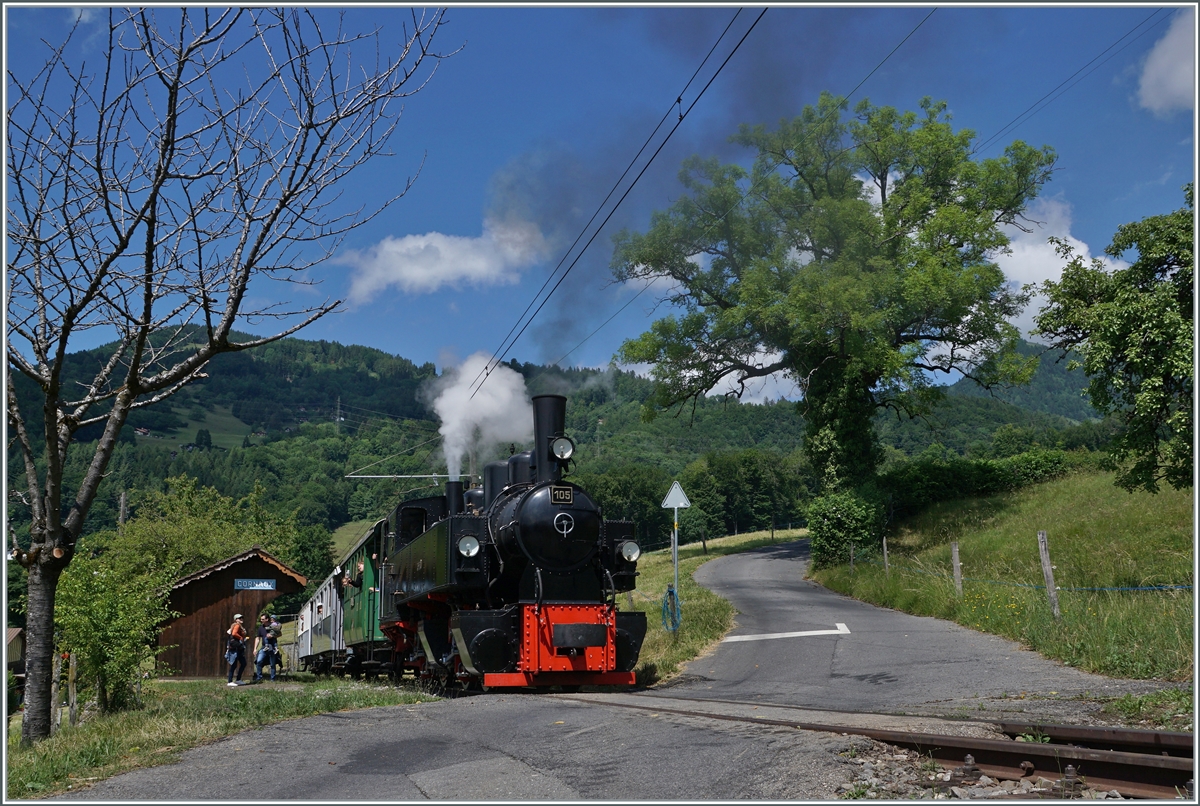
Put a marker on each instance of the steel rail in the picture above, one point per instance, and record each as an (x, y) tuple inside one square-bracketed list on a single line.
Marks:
[(1096, 737), (1130, 740), (1133, 774)]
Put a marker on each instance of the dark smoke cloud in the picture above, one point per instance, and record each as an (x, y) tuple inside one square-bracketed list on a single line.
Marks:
[(791, 56)]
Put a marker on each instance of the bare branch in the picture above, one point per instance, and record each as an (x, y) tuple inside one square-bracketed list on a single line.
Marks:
[(200, 155)]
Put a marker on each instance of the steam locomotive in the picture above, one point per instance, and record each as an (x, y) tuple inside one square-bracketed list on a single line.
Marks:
[(511, 584)]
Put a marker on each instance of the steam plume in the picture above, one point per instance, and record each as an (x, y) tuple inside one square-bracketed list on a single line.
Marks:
[(499, 412)]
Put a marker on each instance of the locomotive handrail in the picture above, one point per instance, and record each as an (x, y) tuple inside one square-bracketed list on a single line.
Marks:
[(537, 586), (612, 587)]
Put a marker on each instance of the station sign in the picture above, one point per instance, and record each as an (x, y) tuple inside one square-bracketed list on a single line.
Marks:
[(254, 584)]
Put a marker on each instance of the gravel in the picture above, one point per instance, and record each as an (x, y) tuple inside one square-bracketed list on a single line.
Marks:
[(878, 771)]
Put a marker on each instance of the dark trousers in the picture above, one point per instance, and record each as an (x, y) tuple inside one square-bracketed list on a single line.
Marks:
[(240, 663)]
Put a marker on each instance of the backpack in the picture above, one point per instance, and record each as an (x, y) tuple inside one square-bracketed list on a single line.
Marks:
[(233, 645)]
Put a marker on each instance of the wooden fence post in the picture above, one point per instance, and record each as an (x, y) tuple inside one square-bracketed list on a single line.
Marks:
[(55, 705), (1048, 574), (72, 693), (957, 568), (886, 570)]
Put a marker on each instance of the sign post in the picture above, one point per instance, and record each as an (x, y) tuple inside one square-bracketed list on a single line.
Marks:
[(676, 499)]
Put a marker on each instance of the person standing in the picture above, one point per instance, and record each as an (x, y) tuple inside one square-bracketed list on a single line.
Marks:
[(266, 646), (235, 650), (276, 632)]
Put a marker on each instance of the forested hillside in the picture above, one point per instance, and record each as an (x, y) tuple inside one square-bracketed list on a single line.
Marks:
[(271, 417), (1053, 390)]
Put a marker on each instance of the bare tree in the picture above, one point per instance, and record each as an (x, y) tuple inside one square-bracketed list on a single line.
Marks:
[(201, 152)]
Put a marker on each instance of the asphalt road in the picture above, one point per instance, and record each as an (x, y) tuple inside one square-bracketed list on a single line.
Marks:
[(550, 747), (886, 661), (521, 747)]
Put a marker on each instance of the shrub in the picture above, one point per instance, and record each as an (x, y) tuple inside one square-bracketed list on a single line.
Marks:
[(839, 520), (1031, 467), (930, 479)]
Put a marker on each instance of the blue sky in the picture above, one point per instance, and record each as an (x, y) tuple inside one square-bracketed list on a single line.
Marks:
[(525, 129)]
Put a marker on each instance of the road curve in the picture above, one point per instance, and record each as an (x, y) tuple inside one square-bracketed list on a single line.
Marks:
[(883, 660)]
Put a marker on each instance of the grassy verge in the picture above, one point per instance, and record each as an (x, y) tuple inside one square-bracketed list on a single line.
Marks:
[(177, 715), (1168, 709), (1099, 537), (706, 616)]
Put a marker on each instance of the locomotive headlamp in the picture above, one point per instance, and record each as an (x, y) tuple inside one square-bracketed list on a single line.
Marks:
[(562, 448), (468, 546), (630, 551)]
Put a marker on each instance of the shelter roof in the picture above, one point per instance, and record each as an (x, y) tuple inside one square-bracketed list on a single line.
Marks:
[(13, 632), (251, 553)]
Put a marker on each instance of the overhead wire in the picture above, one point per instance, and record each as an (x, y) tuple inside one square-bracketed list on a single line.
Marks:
[(682, 115), (487, 369), (1038, 105), (756, 182), (1033, 109)]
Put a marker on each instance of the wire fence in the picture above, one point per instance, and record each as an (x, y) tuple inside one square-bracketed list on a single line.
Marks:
[(912, 570)]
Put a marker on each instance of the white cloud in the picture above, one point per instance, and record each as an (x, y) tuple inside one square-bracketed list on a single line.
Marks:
[(1168, 79), (83, 14), (775, 386), (425, 263), (1033, 259)]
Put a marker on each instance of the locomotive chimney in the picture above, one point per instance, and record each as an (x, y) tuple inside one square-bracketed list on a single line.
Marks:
[(454, 497), (549, 419)]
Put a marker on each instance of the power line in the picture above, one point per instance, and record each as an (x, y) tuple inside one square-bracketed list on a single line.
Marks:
[(682, 114), (606, 321), (755, 184), (1038, 105), (401, 453), (504, 343), (1033, 109), (386, 414)]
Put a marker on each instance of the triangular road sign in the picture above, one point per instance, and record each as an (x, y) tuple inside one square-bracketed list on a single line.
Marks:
[(676, 498)]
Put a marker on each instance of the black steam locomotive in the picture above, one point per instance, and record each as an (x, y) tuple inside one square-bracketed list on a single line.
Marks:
[(511, 584)]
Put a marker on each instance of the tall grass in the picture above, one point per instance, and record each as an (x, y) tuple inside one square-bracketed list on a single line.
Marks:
[(1099, 537), (177, 715), (706, 617)]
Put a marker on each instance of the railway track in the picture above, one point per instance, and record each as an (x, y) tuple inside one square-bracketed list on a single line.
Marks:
[(1136, 763)]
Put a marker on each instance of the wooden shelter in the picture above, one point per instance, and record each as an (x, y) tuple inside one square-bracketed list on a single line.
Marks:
[(208, 600)]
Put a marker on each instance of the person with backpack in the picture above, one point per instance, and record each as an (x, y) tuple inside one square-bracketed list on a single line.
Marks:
[(235, 650), (266, 646)]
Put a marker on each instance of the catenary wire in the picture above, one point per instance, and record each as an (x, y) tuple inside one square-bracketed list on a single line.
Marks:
[(754, 184), (682, 115), (504, 343), (1037, 105), (1033, 109)]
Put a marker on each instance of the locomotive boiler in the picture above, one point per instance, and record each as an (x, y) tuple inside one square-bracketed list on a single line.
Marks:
[(510, 584)]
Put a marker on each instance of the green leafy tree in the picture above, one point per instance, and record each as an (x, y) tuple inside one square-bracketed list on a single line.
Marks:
[(857, 257), (190, 527), (111, 619), (1134, 328)]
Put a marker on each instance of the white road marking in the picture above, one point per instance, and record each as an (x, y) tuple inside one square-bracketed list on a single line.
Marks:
[(842, 629)]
